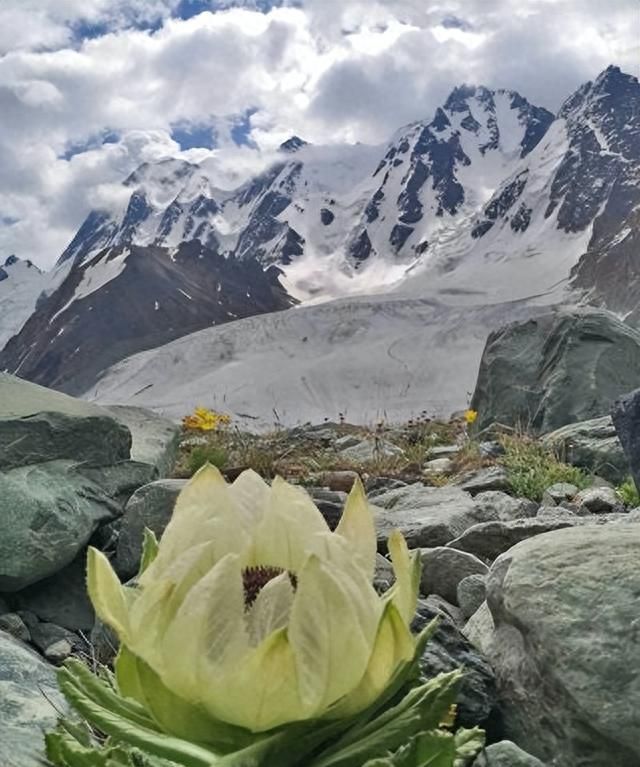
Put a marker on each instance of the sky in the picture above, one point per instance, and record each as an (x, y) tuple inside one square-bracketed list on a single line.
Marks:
[(90, 89)]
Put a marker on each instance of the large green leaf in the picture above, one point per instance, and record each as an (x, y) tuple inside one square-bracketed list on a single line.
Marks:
[(109, 713), (420, 710)]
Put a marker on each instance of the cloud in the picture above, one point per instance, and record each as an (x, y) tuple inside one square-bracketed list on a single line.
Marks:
[(77, 71)]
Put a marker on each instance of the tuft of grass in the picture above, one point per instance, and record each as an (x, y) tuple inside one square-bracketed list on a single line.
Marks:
[(629, 493), (202, 454), (532, 468)]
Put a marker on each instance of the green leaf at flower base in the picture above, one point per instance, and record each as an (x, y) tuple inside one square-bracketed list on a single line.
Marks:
[(422, 709), (149, 550), (174, 714), (428, 749), (468, 744), (122, 720)]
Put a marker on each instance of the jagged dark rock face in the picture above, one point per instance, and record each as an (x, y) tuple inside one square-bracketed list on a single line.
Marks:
[(360, 249), (501, 203), (430, 156), (156, 297), (609, 272), (597, 157), (595, 183)]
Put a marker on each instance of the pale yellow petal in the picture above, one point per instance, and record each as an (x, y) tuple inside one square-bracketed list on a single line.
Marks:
[(358, 527), (271, 609), (261, 692), (107, 594), (158, 601), (282, 537), (250, 494), (204, 511), (330, 640), (207, 634), (406, 566), (393, 647)]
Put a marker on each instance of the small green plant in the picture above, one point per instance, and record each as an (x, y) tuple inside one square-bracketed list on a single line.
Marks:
[(202, 454), (532, 468), (629, 493)]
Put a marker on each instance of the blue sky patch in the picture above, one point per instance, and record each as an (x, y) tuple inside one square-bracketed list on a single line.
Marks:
[(242, 128), (192, 136), (93, 142)]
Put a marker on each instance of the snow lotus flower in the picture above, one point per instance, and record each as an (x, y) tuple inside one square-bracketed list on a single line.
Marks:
[(251, 614)]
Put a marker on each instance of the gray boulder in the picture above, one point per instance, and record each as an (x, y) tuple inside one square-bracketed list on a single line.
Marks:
[(471, 593), (506, 754), (48, 512), (626, 419), (39, 425), (591, 445), (29, 704), (565, 646), (559, 368), (444, 568), (150, 506), (426, 516)]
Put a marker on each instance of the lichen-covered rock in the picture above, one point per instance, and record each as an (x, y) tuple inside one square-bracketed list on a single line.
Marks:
[(48, 512), (29, 704), (559, 368)]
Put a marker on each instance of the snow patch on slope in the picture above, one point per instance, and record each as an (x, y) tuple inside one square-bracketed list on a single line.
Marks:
[(367, 358)]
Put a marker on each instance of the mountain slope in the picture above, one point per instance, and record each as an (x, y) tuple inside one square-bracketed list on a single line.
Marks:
[(130, 298), (21, 282)]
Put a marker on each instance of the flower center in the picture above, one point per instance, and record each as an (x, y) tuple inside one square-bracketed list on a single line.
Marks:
[(254, 579)]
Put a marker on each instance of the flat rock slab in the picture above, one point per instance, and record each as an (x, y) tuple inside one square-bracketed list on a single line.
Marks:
[(29, 698), (565, 647), (48, 513), (38, 425), (490, 539), (155, 439)]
